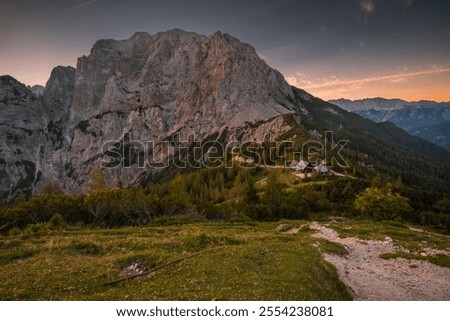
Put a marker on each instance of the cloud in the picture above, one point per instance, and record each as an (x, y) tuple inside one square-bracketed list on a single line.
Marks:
[(82, 5), (334, 82), (292, 80), (367, 6), (408, 3)]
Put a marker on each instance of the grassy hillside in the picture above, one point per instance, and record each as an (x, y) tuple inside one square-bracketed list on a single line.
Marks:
[(251, 262)]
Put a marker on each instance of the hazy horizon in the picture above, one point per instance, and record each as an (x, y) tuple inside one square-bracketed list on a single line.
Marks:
[(350, 49)]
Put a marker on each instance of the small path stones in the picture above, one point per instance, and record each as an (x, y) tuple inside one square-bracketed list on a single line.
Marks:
[(373, 278)]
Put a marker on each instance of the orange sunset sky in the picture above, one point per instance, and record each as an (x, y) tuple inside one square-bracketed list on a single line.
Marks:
[(333, 49)]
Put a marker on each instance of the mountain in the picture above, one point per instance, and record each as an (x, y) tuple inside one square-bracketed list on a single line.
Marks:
[(170, 86), (168, 96), (22, 135), (438, 134), (410, 116), (147, 88), (382, 104), (386, 147), (370, 103), (37, 90)]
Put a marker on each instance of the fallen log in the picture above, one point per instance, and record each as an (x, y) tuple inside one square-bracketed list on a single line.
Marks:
[(159, 267)]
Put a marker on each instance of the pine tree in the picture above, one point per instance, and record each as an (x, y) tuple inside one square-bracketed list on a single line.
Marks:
[(98, 180), (250, 193), (273, 191)]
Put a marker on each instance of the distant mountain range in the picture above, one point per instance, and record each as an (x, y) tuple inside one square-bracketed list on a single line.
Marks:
[(426, 119), (438, 134)]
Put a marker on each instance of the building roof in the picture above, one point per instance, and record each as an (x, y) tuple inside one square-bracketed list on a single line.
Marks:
[(321, 168), (301, 165)]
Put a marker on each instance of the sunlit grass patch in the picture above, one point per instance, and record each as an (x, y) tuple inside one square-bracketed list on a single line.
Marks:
[(438, 259), (326, 246), (401, 234), (248, 262)]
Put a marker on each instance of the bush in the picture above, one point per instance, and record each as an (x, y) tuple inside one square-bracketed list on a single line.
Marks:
[(437, 220), (14, 231), (38, 229), (382, 203), (117, 207), (58, 221), (41, 209)]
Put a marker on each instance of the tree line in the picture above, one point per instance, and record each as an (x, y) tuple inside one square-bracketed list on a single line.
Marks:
[(227, 194)]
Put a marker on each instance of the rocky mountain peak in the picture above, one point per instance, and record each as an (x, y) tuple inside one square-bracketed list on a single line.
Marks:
[(140, 35), (21, 133), (37, 90), (58, 92), (149, 87), (13, 92), (171, 69)]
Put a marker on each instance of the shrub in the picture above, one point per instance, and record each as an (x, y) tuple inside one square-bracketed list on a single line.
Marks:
[(38, 229), (382, 203), (58, 221), (14, 231)]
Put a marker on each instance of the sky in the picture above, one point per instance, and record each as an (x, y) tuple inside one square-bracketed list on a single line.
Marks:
[(331, 48)]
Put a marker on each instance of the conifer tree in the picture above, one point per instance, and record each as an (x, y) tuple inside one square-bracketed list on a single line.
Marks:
[(98, 180)]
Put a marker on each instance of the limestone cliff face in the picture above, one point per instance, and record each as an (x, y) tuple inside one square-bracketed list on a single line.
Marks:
[(151, 87), (21, 137), (147, 88), (56, 102)]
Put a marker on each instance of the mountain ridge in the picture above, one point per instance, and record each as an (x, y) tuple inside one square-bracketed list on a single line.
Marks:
[(351, 104), (155, 88), (414, 117), (438, 134), (150, 87)]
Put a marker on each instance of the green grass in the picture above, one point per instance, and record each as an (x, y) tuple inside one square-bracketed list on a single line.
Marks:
[(400, 233), (439, 259), (412, 238), (12, 256), (252, 262), (286, 225), (332, 248), (294, 183)]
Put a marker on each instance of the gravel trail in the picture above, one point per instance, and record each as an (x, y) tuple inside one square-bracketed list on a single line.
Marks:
[(373, 278)]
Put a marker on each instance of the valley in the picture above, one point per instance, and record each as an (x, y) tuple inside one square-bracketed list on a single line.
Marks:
[(189, 154)]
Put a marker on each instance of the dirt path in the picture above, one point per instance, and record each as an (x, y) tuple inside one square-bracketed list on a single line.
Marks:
[(373, 278)]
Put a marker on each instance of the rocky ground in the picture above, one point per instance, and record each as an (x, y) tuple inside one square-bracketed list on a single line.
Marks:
[(373, 278)]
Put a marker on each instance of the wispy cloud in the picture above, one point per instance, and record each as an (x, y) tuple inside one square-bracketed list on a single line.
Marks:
[(408, 3), (367, 6), (82, 5), (335, 82)]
